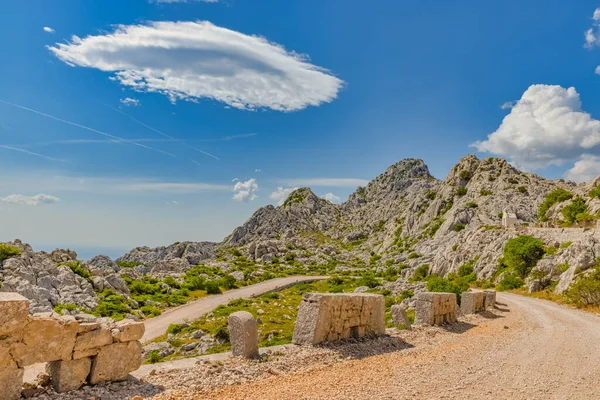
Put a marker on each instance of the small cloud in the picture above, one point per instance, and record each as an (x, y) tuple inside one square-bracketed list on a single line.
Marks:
[(245, 191), (281, 194), (598, 70), (585, 169), (507, 105), (128, 101), (48, 29), (175, 202), (234, 180), (29, 200), (592, 35), (257, 170), (332, 198)]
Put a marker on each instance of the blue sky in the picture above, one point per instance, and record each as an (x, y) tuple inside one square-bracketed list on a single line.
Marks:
[(137, 132)]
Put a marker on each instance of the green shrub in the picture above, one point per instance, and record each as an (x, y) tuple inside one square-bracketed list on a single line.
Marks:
[(369, 281), (430, 195), (459, 227), (485, 192), (169, 280), (510, 282), (59, 308), (150, 311), (195, 282), (556, 196), (522, 189), (585, 292), (457, 286), (154, 357), (455, 246), (466, 269), (8, 251), (522, 253), (512, 181), (461, 191), (212, 287), (406, 294), (228, 282), (465, 175), (111, 305), (421, 273), (78, 269), (175, 329), (471, 204), (572, 211), (413, 255), (236, 253), (563, 267), (565, 245), (595, 192)]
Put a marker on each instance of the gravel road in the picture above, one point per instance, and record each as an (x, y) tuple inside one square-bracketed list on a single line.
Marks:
[(532, 349), (157, 326)]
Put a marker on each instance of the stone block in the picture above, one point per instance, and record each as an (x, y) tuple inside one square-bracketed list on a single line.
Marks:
[(14, 310), (114, 362), (329, 317), (243, 334), (399, 316), (45, 339), (489, 299), (69, 375), (435, 308), (472, 302), (87, 326), (93, 339), (128, 330), (11, 381)]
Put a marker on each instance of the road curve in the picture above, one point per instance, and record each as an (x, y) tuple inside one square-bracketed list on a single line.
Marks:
[(532, 349), (157, 326)]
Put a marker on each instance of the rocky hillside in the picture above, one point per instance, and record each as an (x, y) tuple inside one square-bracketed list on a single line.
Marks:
[(403, 219)]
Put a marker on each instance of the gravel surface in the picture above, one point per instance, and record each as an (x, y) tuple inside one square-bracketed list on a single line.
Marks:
[(526, 349)]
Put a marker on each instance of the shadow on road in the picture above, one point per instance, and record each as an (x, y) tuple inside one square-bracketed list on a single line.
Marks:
[(459, 327), (367, 347)]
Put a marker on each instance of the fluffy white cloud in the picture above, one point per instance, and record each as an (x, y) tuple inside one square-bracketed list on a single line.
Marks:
[(48, 29), (192, 60), (592, 35), (128, 101), (29, 200), (332, 198), (545, 127), (245, 191), (332, 182), (281, 194), (585, 169)]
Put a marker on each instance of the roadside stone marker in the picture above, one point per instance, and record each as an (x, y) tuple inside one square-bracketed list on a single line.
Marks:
[(490, 299), (399, 316), (243, 334), (436, 308), (472, 302)]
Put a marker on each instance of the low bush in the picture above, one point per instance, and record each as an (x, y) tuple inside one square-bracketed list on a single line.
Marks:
[(585, 292), (556, 196), (421, 273), (461, 191), (7, 251), (154, 357), (368, 280), (174, 329), (459, 227), (485, 192), (576, 210), (471, 204), (212, 287), (510, 282), (522, 253)]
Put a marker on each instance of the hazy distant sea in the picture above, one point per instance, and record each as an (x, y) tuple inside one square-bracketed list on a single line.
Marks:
[(84, 252)]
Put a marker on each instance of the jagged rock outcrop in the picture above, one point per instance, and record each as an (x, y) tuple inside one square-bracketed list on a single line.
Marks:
[(192, 252)]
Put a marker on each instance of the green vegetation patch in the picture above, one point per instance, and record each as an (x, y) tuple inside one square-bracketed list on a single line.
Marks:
[(8, 251), (522, 253), (556, 196)]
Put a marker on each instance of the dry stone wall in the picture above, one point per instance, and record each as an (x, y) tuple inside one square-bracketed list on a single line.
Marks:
[(436, 308), (88, 350), (330, 317)]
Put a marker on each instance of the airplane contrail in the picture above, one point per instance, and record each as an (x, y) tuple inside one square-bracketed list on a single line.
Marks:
[(115, 138), (162, 133), (30, 153)]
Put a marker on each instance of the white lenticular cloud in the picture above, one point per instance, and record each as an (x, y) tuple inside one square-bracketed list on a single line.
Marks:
[(281, 194), (547, 126), (36, 200), (193, 60), (128, 101), (245, 191), (332, 198)]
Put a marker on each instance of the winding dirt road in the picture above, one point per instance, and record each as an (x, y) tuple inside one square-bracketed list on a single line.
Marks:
[(157, 326), (531, 349)]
